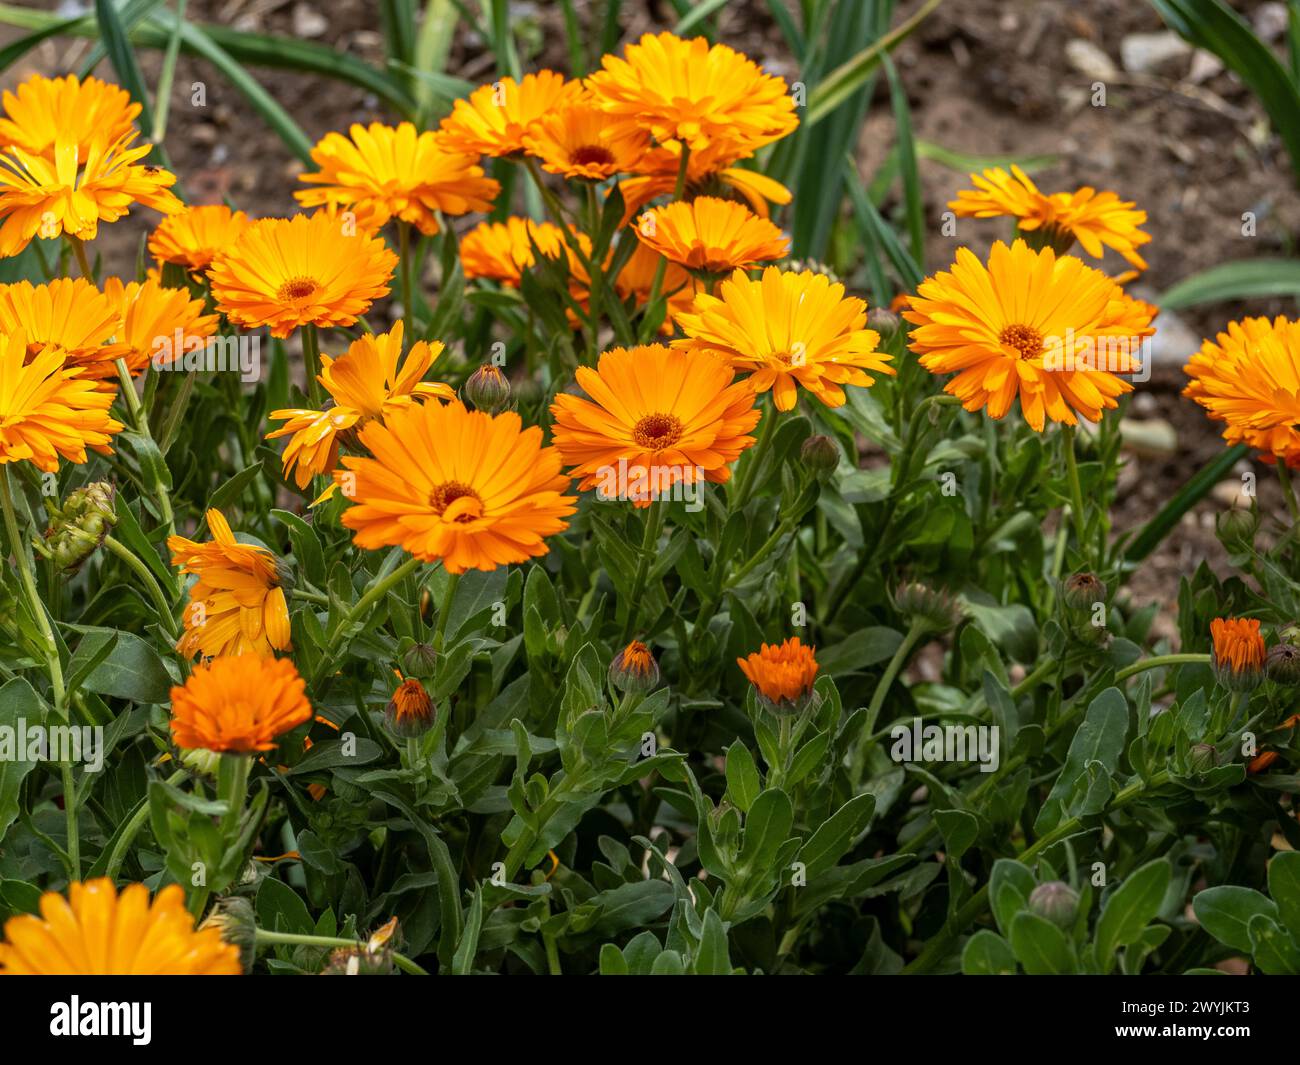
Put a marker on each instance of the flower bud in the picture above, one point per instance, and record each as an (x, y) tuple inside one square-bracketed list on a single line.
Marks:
[(200, 761), (233, 916), (1282, 664), (922, 602), (1056, 901), (634, 669), (1236, 527), (1237, 654), (1202, 757), (820, 455), (410, 712), (419, 660), (883, 321), (1083, 591), (78, 529), (488, 389)]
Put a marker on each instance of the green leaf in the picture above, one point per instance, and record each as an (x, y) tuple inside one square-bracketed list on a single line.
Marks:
[(1010, 885), (1225, 912), (1040, 946), (837, 834), (1098, 743), (132, 670), (280, 909), (18, 702), (1240, 280), (743, 783), (1191, 493), (988, 954), (860, 649), (1284, 887), (767, 826), (1129, 908), (1275, 952)]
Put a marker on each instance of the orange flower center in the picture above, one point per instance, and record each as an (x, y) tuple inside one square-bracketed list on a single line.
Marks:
[(296, 288), (637, 658), (593, 155), (655, 432), (455, 501), (1025, 339)]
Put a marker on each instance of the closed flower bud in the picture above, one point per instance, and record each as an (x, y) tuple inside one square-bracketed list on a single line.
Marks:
[(883, 321), (1082, 591), (1056, 901), (1202, 757), (80, 526), (634, 669), (488, 389), (1237, 653), (925, 603), (233, 916), (410, 712), (1282, 664), (820, 455), (419, 660), (1236, 527), (200, 761)]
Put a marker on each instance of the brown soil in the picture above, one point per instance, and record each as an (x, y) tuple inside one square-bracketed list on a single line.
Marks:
[(984, 77)]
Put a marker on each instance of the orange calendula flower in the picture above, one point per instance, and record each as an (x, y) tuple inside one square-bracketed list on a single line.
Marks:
[(42, 111), (708, 173), (495, 118), (69, 314), (788, 329), (474, 490), (159, 325), (1238, 652), (693, 93), (502, 251), (369, 382), (238, 704), (636, 281), (96, 931), (410, 711), (70, 191), (237, 606), (192, 238), (711, 236), (47, 408), (1044, 328), (657, 417), (394, 172), (309, 269), (1248, 377), (580, 141), (783, 673), (1097, 220)]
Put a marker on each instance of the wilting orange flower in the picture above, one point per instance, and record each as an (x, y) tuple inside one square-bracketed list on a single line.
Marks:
[(708, 173), (159, 324), (47, 409), (711, 235), (495, 118), (237, 605), (369, 382), (1261, 761), (788, 329), (70, 192), (284, 273), (394, 172), (192, 238), (657, 417), (688, 92), (42, 111), (1249, 378), (410, 711), (474, 490), (1097, 220), (97, 932), (636, 281), (1238, 652), (1033, 325), (71, 315), (238, 704), (783, 673), (579, 141)]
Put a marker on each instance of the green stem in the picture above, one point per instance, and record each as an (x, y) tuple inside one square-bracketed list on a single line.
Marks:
[(132, 829), (376, 591), (311, 363), (654, 524), (408, 281), (140, 423), (744, 481), (1076, 489), (679, 187), (1284, 479), (83, 262), (142, 571), (444, 610), (263, 937), (1158, 661), (52, 663), (914, 632)]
